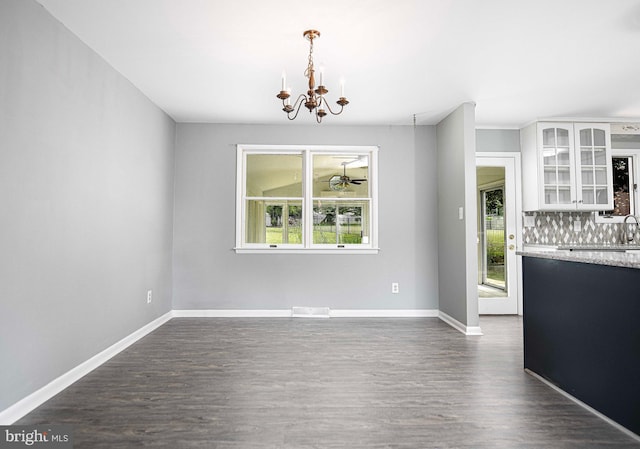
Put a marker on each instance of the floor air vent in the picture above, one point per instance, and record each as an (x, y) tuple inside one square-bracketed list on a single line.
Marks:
[(310, 312)]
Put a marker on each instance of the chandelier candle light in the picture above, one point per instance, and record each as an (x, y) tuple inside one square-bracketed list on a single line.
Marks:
[(314, 100)]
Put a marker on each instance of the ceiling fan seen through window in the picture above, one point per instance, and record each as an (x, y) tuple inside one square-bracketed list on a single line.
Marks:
[(340, 183)]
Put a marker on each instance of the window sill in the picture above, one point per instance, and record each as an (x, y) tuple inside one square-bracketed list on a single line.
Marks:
[(604, 219), (306, 250)]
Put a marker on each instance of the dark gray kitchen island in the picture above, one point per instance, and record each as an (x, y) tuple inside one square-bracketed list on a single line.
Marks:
[(582, 327)]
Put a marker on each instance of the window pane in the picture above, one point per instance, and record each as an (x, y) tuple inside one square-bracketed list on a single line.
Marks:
[(585, 138), (622, 203), (549, 137), (341, 222), (622, 182), (564, 195), (563, 156), (563, 137), (549, 156), (600, 157), (550, 176), (599, 137), (587, 176), (274, 222), (494, 240), (601, 175), (550, 196), (564, 176), (601, 195), (274, 175), (586, 157), (587, 196), (340, 176)]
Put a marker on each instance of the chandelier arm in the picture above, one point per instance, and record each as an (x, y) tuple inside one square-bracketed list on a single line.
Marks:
[(296, 103), (296, 106), (331, 110)]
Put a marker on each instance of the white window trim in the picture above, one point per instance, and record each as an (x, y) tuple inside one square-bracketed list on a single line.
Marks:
[(307, 247), (635, 154)]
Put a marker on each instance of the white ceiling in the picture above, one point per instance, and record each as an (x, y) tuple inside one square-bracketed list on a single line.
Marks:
[(221, 61)]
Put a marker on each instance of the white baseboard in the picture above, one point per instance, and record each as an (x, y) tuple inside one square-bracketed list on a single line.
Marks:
[(585, 406), (467, 330), (287, 313), (384, 313), (232, 313), (37, 398)]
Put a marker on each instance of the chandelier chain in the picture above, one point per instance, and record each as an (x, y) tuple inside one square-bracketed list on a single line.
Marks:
[(307, 72)]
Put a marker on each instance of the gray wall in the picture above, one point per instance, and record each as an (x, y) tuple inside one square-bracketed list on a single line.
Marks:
[(490, 140), (457, 259), (426, 172), (86, 188), (208, 274)]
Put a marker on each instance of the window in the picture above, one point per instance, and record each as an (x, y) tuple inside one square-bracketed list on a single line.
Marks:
[(625, 174), (306, 199)]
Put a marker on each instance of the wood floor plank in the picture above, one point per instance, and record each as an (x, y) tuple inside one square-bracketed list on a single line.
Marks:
[(337, 383)]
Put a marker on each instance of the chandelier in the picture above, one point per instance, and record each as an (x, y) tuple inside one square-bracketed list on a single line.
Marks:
[(314, 100)]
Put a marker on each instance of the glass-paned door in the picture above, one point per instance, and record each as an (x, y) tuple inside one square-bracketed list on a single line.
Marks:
[(557, 155), (594, 173), (497, 234)]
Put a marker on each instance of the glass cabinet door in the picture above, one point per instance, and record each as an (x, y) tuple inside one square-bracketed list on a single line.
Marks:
[(557, 166), (594, 177)]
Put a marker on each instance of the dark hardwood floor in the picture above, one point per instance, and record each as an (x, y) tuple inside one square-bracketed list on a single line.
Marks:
[(314, 383)]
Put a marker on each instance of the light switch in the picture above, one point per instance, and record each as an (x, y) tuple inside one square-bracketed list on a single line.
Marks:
[(460, 213)]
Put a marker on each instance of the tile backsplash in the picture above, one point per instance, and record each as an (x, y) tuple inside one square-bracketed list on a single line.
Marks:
[(557, 228)]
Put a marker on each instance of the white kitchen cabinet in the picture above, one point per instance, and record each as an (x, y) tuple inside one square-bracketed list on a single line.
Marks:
[(566, 166)]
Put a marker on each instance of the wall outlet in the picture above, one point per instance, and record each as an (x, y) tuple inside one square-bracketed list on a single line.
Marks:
[(149, 296), (529, 221), (395, 287)]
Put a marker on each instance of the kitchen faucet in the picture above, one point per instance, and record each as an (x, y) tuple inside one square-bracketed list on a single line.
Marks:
[(630, 230)]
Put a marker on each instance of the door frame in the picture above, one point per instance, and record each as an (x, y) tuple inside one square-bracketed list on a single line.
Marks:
[(500, 159)]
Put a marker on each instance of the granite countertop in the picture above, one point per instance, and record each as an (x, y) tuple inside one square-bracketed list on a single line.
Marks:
[(607, 247), (617, 256)]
